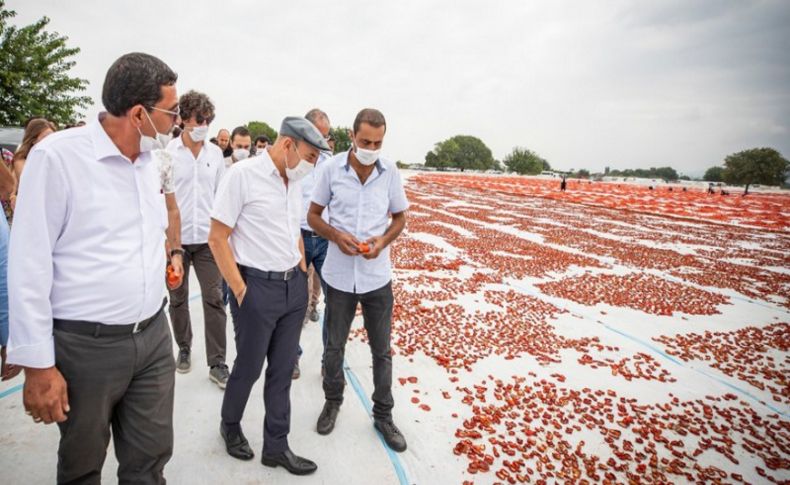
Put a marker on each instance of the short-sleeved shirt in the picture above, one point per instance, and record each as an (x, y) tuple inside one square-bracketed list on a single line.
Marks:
[(362, 211), (253, 200), (196, 181)]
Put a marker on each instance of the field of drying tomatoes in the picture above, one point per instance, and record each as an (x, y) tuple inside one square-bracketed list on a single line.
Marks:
[(606, 334)]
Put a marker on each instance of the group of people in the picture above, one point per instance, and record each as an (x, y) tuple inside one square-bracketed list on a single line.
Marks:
[(103, 210)]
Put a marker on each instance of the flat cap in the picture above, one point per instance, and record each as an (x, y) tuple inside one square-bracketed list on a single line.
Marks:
[(300, 129)]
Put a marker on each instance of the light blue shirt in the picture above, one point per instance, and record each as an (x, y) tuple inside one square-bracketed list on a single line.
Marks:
[(362, 211), (3, 282), (308, 182)]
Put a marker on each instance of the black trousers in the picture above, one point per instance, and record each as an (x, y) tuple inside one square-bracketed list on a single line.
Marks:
[(377, 315), (124, 383), (267, 326), (210, 280)]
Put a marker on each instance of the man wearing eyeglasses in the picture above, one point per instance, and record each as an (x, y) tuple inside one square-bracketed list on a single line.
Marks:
[(86, 268), (198, 168)]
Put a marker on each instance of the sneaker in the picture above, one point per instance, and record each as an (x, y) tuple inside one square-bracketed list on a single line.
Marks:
[(327, 418), (391, 434), (297, 373), (219, 375), (313, 315), (184, 362)]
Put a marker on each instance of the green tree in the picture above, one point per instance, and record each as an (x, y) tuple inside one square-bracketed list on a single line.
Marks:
[(258, 128), (34, 80), (342, 138), (525, 162), (583, 173), (755, 166), (714, 174), (461, 151)]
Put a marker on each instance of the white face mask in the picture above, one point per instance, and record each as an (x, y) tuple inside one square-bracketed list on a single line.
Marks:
[(240, 154), (367, 157), (148, 143), (198, 133), (301, 170)]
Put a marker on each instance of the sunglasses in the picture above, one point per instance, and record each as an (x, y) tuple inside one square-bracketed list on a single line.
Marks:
[(199, 118)]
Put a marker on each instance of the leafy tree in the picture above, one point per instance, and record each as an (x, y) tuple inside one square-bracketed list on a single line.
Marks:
[(664, 173), (258, 128), (34, 80), (583, 174), (525, 162), (461, 151), (714, 174), (755, 166), (342, 138)]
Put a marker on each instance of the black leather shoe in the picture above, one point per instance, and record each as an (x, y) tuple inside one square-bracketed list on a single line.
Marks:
[(326, 421), (296, 465), (392, 435), (236, 444)]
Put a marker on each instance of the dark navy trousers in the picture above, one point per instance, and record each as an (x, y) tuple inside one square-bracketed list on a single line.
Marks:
[(267, 326)]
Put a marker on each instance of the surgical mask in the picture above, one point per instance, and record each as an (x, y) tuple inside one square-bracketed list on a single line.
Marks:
[(240, 154), (198, 133), (367, 157), (301, 170), (149, 143)]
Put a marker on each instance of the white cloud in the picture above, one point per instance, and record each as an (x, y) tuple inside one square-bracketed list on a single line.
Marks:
[(585, 84)]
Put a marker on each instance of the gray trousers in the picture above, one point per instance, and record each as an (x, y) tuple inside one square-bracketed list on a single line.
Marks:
[(119, 383), (210, 280), (267, 327), (377, 315)]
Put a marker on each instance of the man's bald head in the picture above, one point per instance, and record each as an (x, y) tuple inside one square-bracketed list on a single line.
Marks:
[(223, 138)]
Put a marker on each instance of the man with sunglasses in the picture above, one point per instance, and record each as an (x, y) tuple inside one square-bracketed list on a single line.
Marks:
[(198, 168), (86, 267)]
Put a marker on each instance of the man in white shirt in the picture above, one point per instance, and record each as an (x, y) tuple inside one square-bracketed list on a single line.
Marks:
[(314, 245), (361, 191), (86, 272), (240, 143), (198, 168), (257, 244)]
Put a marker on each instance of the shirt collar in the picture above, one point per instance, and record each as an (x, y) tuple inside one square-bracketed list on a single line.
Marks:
[(268, 164), (104, 147), (379, 166)]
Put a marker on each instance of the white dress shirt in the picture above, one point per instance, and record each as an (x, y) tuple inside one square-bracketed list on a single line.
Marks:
[(253, 200), (362, 211), (88, 241), (308, 182), (196, 180)]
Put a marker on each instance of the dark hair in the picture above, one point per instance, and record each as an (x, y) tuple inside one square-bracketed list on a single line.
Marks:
[(193, 103), (134, 79), (371, 116), (239, 131), (263, 138)]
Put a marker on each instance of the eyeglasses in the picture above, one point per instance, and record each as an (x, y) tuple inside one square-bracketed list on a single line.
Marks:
[(175, 114)]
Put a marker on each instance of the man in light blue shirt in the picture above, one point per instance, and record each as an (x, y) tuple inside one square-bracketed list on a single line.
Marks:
[(361, 191)]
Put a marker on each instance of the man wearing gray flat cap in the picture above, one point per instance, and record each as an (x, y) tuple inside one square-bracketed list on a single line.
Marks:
[(255, 238)]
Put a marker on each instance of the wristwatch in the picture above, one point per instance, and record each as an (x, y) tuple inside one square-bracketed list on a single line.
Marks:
[(177, 251)]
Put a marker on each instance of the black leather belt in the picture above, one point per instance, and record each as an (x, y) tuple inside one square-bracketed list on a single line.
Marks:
[(102, 329), (306, 233), (269, 275)]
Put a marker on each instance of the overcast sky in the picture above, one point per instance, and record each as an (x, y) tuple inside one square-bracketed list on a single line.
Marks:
[(584, 84)]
